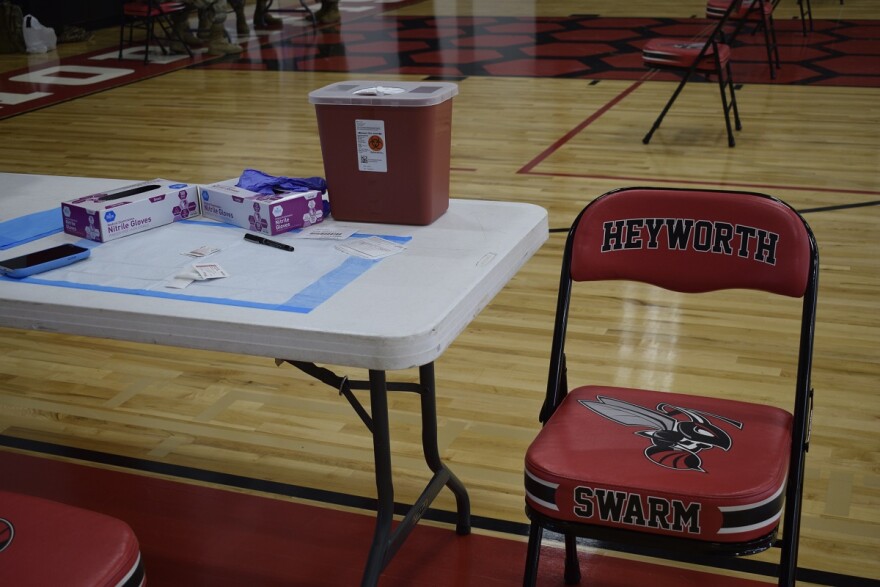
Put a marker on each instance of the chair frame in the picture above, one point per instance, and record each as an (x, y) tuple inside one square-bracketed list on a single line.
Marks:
[(724, 74), (155, 14), (765, 21), (806, 14), (557, 389)]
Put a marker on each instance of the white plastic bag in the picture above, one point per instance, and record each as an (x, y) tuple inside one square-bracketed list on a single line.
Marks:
[(38, 38)]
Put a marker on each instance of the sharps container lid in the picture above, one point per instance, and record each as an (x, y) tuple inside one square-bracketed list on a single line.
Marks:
[(378, 93)]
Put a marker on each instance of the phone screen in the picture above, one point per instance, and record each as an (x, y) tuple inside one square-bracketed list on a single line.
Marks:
[(42, 257)]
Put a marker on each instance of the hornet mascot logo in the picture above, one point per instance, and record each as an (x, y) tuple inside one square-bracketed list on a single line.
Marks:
[(677, 434)]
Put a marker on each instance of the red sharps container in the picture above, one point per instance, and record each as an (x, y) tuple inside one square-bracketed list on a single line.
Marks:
[(386, 149)]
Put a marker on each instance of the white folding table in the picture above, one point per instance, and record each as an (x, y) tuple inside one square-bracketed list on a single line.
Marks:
[(401, 313)]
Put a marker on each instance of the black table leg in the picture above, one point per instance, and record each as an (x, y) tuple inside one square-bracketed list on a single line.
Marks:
[(432, 452), (385, 542), (384, 485)]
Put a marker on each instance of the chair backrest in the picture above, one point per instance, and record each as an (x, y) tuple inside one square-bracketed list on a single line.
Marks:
[(693, 241), (689, 241)]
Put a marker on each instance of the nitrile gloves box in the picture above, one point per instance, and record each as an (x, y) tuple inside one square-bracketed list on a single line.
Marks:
[(129, 210), (265, 213)]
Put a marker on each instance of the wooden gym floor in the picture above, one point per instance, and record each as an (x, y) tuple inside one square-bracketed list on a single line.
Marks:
[(532, 125)]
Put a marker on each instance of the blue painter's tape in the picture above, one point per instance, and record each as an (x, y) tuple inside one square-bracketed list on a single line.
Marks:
[(331, 282), (31, 227), (395, 239), (34, 226), (286, 307)]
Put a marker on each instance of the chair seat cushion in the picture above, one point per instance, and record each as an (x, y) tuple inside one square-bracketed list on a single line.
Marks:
[(694, 467), (44, 542), (142, 9), (717, 8), (682, 53)]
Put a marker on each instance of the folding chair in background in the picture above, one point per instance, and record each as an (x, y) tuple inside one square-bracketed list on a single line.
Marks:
[(667, 471), (806, 14), (689, 57), (761, 15), (144, 14)]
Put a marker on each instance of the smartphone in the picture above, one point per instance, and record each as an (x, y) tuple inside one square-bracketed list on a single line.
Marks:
[(44, 260)]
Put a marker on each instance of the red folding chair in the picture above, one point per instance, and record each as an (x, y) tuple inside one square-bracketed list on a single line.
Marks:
[(45, 542), (759, 12), (681, 473), (708, 57), (145, 14)]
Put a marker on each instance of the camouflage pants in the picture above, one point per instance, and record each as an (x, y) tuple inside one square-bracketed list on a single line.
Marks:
[(211, 10)]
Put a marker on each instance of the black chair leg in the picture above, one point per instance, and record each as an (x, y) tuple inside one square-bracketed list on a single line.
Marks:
[(737, 123), (666, 108), (572, 564), (530, 577), (149, 38), (725, 83), (775, 43), (806, 14), (121, 36), (731, 141), (772, 47), (791, 526)]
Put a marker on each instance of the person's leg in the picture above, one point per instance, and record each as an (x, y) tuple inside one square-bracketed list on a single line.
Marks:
[(241, 24), (263, 20), (329, 12), (206, 21), (215, 12), (180, 21)]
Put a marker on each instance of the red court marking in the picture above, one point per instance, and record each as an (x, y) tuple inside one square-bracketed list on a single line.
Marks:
[(52, 82), (196, 535), (529, 168), (711, 182), (574, 132)]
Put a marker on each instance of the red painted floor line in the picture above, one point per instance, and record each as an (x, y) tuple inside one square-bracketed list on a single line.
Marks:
[(529, 168), (652, 180), (576, 130)]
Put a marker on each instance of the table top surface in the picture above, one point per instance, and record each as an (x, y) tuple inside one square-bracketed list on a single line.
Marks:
[(403, 312)]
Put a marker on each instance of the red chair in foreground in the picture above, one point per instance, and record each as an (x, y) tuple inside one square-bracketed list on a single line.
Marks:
[(680, 473), (44, 542), (146, 14), (689, 57)]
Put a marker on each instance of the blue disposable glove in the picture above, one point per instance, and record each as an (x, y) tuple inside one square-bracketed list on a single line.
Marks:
[(263, 183)]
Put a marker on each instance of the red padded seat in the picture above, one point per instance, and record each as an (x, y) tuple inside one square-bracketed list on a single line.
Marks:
[(665, 463), (681, 54), (46, 543)]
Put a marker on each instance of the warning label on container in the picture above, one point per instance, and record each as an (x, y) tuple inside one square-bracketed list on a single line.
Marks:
[(371, 145)]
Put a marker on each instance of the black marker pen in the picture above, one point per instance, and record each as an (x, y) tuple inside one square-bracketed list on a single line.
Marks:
[(264, 241)]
